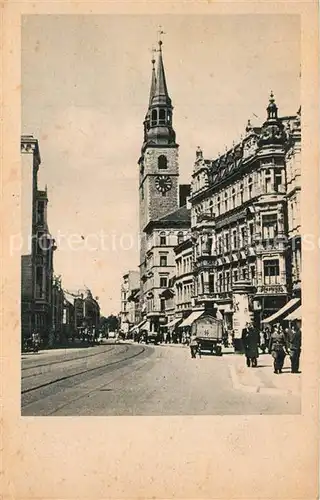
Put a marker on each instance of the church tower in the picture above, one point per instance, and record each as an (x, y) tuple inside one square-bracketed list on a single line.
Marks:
[(158, 163)]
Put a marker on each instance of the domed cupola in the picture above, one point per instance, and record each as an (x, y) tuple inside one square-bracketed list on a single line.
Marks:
[(272, 132)]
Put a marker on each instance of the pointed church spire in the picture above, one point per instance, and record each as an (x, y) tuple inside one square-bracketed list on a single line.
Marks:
[(161, 96), (158, 127), (153, 78), (161, 90)]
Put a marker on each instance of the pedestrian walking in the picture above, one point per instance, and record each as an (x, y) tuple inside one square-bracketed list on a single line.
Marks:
[(294, 344), (35, 341), (263, 341), (250, 339), (267, 333), (278, 348), (193, 346)]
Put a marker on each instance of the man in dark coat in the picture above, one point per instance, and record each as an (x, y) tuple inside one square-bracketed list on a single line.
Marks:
[(250, 339), (294, 341)]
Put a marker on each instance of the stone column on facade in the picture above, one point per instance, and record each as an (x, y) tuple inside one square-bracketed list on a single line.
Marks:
[(206, 282), (280, 219), (242, 290), (259, 270), (282, 269)]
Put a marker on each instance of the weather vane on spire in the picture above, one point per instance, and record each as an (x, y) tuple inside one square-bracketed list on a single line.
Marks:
[(160, 32)]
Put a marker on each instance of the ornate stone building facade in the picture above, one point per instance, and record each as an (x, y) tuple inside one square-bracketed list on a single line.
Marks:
[(244, 265), (237, 251), (183, 281)]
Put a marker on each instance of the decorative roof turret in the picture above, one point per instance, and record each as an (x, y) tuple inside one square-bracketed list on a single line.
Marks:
[(272, 108), (272, 132), (249, 129), (199, 153)]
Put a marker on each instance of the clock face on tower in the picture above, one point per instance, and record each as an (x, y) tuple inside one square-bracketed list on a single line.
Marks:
[(163, 183)]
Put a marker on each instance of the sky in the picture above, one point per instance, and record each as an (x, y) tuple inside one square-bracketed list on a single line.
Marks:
[(85, 88)]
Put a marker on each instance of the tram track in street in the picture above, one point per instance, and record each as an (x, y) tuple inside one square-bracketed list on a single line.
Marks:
[(61, 361), (100, 387), (83, 372)]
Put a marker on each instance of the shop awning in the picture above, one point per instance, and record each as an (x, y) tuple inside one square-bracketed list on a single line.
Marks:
[(296, 314), (190, 319), (286, 309), (145, 326), (139, 325), (173, 322)]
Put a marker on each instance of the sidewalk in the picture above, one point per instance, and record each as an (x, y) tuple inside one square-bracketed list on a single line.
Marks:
[(262, 379)]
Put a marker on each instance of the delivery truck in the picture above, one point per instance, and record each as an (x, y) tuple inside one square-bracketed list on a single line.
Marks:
[(209, 332)]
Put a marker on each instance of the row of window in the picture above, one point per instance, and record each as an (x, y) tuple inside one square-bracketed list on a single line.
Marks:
[(271, 276), (236, 239), (230, 199), (184, 265), (184, 292), (150, 305), (164, 240)]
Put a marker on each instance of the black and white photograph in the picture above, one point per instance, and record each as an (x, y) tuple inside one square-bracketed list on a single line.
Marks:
[(160, 214)]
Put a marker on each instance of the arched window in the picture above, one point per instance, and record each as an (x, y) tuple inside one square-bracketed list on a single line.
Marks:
[(162, 162), (226, 201), (154, 117), (250, 185), (162, 117), (163, 238)]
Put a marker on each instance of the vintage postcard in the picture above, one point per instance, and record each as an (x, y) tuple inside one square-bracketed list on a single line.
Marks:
[(161, 252)]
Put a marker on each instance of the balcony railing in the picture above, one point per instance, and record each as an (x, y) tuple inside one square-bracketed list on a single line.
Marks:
[(205, 216), (272, 244)]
